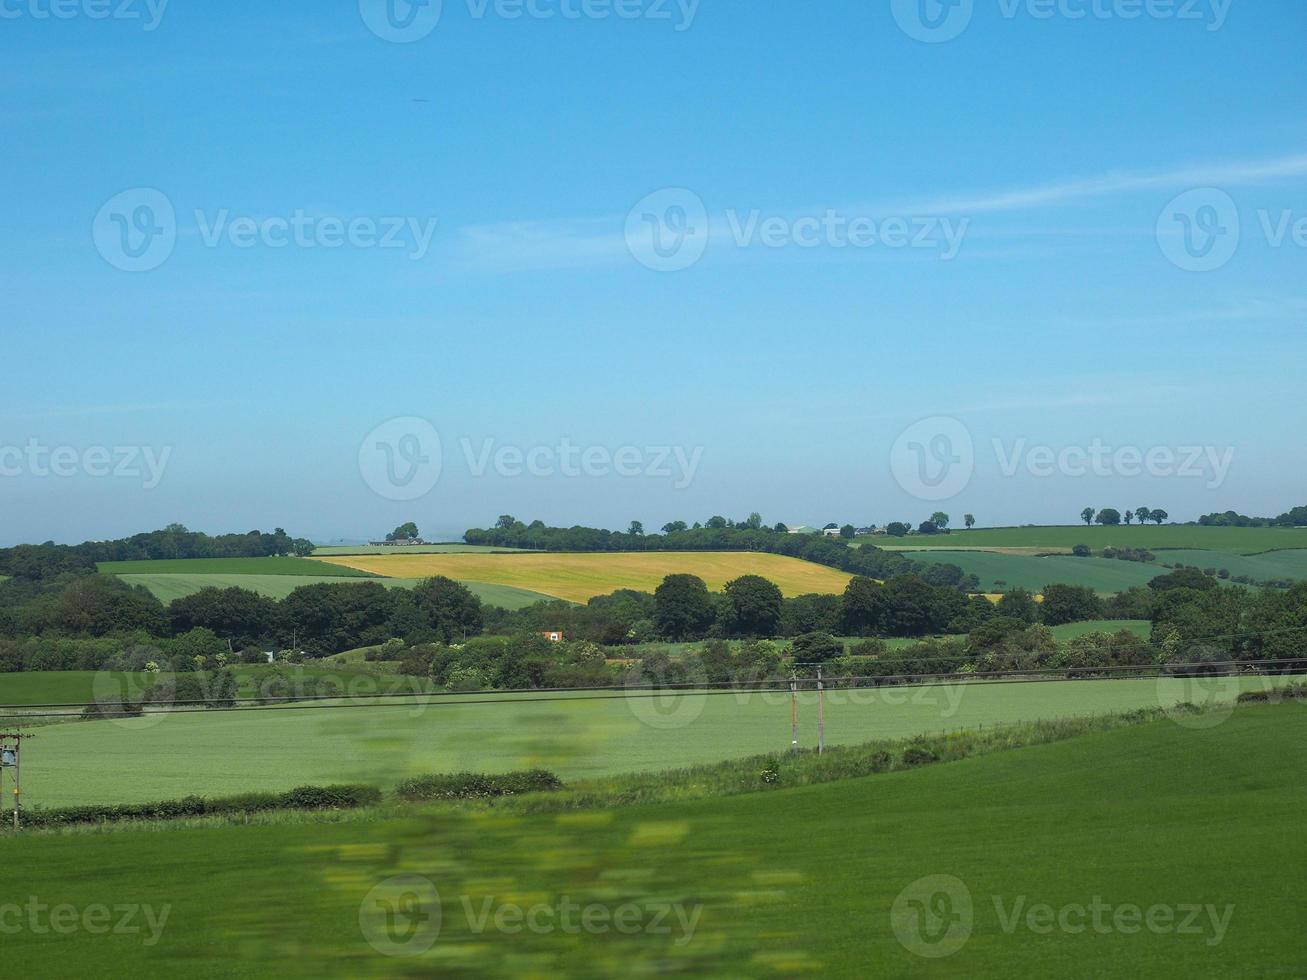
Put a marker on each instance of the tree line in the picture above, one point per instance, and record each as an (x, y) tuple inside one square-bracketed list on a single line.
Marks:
[(50, 560), (721, 534)]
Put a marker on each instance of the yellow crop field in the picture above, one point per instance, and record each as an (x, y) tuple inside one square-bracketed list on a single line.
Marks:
[(578, 577)]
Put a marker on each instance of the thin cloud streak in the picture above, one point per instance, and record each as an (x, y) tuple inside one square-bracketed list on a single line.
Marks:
[(526, 245)]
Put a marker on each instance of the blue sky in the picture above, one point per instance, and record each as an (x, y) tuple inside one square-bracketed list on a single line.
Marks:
[(257, 370)]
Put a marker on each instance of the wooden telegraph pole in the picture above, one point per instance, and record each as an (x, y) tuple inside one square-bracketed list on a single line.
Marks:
[(821, 713), (10, 743), (794, 713)]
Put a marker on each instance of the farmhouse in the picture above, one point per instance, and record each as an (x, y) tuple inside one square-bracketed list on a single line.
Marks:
[(553, 636)]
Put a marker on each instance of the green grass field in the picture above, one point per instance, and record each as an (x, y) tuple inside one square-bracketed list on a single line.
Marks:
[(168, 586), (229, 566), (219, 753), (996, 570), (1287, 564), (1241, 540), (815, 880), (80, 686)]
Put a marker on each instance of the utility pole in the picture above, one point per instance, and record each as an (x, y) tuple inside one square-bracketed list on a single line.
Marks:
[(821, 713), (10, 743), (794, 713)]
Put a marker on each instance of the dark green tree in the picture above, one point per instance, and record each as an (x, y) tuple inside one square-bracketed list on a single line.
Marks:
[(683, 610), (756, 606)]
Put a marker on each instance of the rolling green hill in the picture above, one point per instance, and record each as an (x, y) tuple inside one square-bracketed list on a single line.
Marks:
[(164, 756), (871, 876), (1241, 540), (998, 571)]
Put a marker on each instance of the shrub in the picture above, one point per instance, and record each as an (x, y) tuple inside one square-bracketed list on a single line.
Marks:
[(475, 786), (112, 709), (919, 754), (1081, 551), (302, 798)]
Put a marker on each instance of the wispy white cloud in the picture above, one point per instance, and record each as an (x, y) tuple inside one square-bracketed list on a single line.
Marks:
[(1114, 183), (583, 242)]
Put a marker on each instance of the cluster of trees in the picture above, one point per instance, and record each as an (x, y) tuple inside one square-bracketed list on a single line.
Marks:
[(1297, 517), (1193, 621), (319, 619), (683, 609), (50, 560), (1130, 554), (1111, 517), (405, 532), (720, 534)]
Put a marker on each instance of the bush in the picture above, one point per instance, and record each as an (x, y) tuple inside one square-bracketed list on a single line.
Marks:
[(477, 786), (112, 709), (919, 754), (1081, 551), (303, 798)]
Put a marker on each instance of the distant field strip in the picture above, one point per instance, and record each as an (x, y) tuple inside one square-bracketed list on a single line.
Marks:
[(578, 577), (1291, 564), (1240, 540), (325, 551), (997, 571), (226, 566), (170, 586)]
